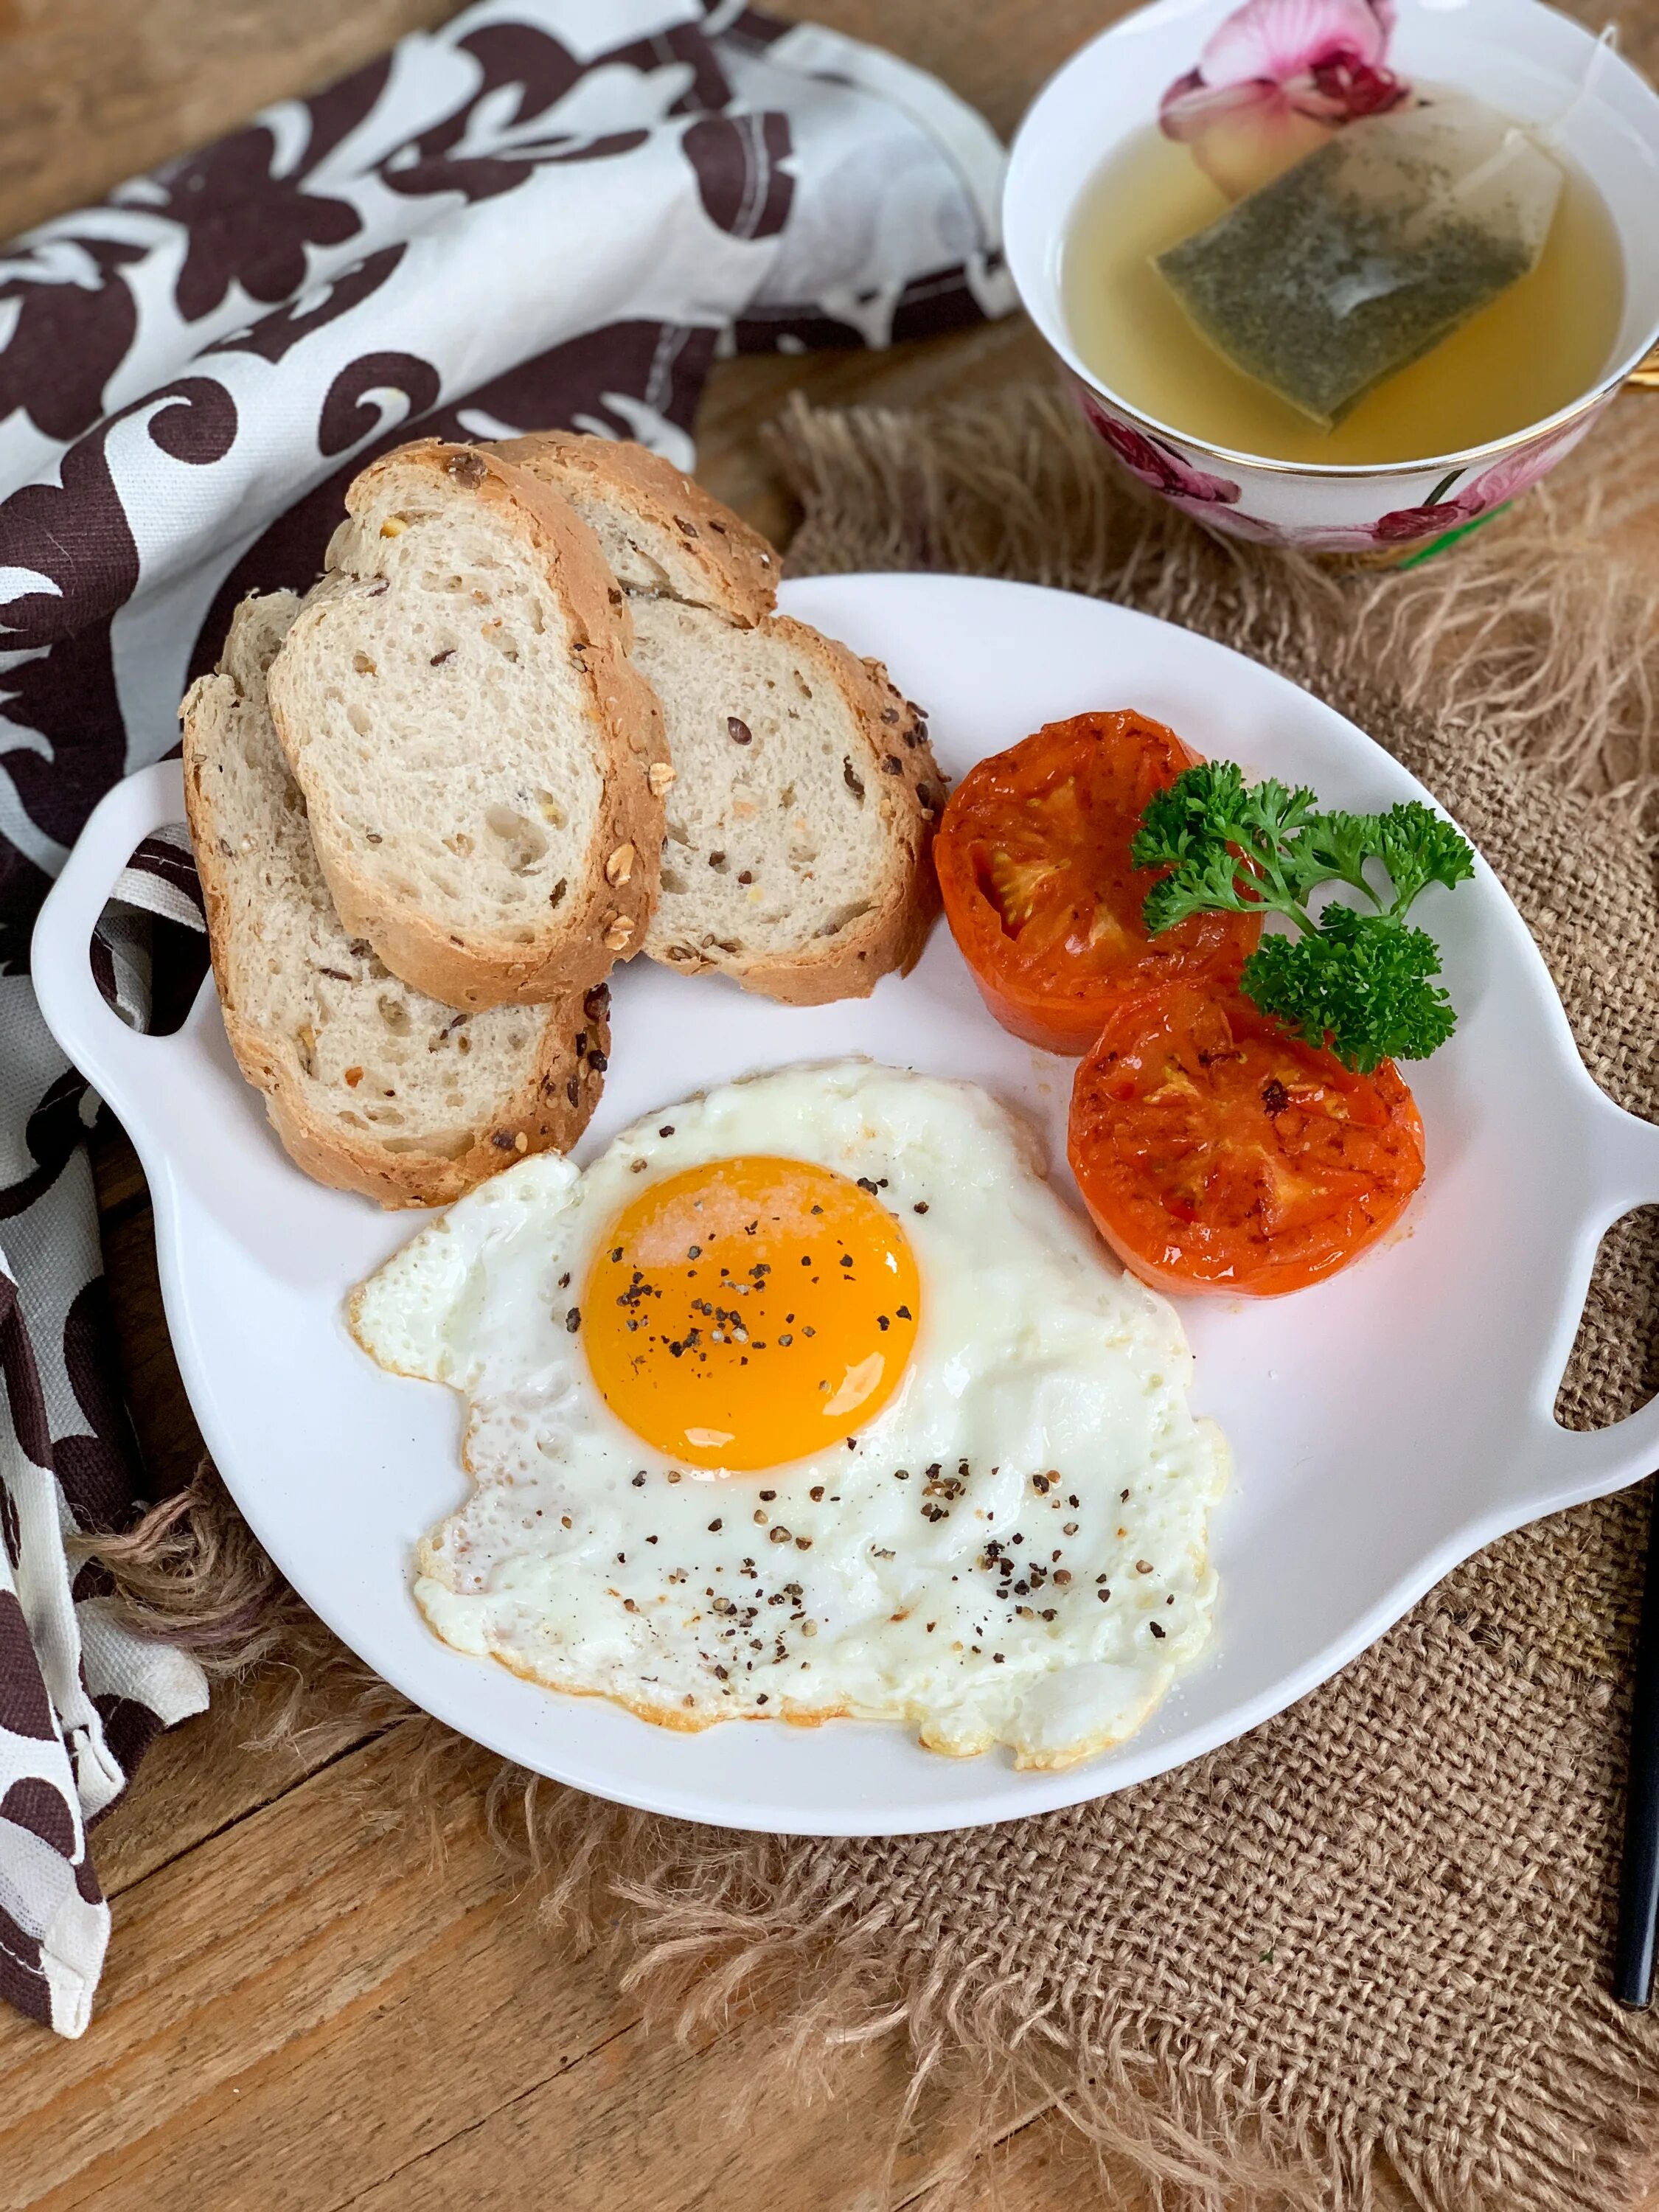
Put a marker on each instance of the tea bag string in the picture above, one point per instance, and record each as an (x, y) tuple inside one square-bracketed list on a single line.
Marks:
[(1606, 43), (1550, 135), (1459, 191)]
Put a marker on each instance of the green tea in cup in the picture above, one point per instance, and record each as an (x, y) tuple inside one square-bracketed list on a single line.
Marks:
[(1427, 281)]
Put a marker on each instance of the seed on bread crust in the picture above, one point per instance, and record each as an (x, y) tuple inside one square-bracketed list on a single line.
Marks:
[(618, 933), (620, 866), (659, 775), (553, 942), (847, 894), (462, 1118)]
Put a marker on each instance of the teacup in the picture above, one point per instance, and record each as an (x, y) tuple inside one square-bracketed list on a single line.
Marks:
[(1525, 60)]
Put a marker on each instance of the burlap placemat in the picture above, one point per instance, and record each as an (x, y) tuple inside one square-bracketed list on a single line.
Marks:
[(1367, 1946)]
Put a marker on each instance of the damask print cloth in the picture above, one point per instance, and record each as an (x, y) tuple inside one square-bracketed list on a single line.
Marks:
[(552, 212)]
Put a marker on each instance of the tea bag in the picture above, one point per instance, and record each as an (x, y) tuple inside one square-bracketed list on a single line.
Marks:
[(1363, 256)]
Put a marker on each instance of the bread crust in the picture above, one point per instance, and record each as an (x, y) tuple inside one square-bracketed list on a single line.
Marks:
[(895, 761), (738, 568), (738, 572), (541, 1112), (598, 919), (548, 1111)]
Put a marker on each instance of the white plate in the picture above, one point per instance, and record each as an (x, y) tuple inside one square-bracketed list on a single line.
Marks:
[(1384, 1426)]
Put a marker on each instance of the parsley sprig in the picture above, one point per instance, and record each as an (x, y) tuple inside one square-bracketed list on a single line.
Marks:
[(1359, 980)]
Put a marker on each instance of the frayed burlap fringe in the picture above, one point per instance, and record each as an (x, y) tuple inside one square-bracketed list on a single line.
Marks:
[(1543, 626), (192, 1573), (1358, 1957)]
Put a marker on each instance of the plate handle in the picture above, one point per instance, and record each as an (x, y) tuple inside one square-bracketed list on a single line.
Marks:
[(110, 1054), (1626, 1149)]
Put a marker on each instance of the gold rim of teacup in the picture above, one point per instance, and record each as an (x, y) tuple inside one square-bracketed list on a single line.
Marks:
[(1642, 374)]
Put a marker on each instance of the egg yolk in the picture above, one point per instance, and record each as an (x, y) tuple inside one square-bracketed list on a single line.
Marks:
[(749, 1311)]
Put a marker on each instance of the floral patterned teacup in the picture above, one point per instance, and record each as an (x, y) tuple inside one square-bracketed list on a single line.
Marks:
[(1228, 81)]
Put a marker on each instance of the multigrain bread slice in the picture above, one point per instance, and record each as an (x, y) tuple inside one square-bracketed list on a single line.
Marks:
[(801, 815), (456, 702), (371, 1086), (659, 530)]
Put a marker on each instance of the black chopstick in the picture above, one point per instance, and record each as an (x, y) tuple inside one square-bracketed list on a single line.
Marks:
[(1638, 1877)]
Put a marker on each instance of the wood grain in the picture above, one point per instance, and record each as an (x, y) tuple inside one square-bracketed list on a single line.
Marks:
[(301, 2010), (94, 91), (315, 2008), (305, 2010)]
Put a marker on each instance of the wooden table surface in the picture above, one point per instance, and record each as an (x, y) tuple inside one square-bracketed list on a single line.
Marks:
[(301, 2012)]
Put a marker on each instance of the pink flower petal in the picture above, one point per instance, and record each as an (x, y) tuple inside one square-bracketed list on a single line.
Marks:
[(1518, 471), (1404, 526), (1190, 107), (1184, 89), (1341, 90), (1156, 464), (1275, 80), (1198, 489), (1279, 40), (1243, 135)]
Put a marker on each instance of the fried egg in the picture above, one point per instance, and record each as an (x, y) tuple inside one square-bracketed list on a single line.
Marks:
[(810, 1398)]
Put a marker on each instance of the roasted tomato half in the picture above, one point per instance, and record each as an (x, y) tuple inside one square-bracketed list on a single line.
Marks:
[(1216, 1152), (1033, 861)]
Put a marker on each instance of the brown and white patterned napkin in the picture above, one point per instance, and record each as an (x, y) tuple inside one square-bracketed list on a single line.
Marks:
[(552, 212)]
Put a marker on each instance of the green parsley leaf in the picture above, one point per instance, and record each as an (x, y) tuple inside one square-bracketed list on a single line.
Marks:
[(1207, 883), (1337, 845), (1359, 982), (1209, 821), (1419, 847), (1195, 808)]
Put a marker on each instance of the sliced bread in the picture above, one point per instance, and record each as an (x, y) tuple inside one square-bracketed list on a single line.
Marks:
[(800, 818), (456, 703), (371, 1086), (805, 795), (659, 530)]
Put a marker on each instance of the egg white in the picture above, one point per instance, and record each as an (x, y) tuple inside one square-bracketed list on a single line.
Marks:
[(1013, 1552)]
